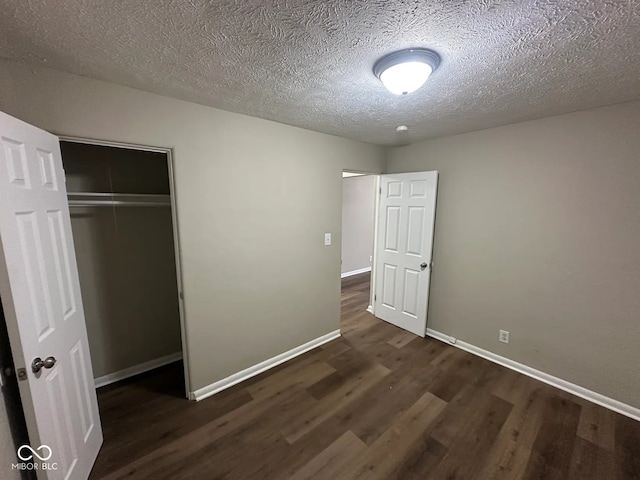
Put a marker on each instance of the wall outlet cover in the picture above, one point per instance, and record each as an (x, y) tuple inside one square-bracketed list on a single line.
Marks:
[(503, 336)]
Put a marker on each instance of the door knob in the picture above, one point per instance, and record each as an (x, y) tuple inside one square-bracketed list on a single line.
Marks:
[(38, 363), (423, 265)]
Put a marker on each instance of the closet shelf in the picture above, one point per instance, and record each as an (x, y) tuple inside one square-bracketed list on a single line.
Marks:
[(99, 199)]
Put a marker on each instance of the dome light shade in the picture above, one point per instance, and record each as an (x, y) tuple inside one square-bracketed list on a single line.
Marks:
[(405, 78), (406, 71)]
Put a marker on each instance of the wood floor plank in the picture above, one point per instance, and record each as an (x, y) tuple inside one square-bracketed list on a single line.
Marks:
[(590, 460), (460, 409), (324, 408), (331, 462), (627, 448), (475, 440), (377, 403), (422, 458), (597, 425), (301, 375), (401, 339), (385, 457), (387, 402), (553, 448), (509, 454)]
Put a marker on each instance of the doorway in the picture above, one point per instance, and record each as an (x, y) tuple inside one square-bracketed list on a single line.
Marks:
[(359, 202), (398, 241), (123, 221)]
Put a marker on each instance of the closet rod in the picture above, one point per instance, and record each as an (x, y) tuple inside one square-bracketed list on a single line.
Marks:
[(103, 199), (115, 203), (78, 195)]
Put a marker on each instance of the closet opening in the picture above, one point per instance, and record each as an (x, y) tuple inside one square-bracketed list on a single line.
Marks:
[(124, 223)]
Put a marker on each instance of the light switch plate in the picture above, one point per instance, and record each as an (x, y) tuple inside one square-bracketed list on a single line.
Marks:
[(327, 239)]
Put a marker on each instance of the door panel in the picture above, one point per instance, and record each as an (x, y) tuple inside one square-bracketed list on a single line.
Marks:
[(389, 286), (58, 240), (411, 292), (405, 241), (415, 231), (41, 299), (392, 229)]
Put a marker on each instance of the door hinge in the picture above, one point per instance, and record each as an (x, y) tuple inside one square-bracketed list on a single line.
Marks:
[(181, 295), (380, 191), (375, 297)]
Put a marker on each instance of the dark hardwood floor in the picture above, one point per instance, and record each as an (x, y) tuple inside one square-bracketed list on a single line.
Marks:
[(378, 403)]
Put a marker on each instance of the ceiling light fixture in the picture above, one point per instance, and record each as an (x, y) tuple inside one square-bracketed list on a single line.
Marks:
[(406, 71)]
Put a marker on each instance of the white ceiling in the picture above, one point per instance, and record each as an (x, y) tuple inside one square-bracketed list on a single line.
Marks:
[(308, 63)]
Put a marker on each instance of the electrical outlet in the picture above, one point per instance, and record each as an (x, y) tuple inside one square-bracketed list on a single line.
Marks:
[(504, 336)]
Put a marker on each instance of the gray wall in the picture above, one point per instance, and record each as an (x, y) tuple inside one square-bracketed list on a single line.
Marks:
[(538, 233), (358, 208), (253, 198)]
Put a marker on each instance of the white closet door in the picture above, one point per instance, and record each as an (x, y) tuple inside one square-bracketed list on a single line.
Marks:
[(404, 244), (41, 299)]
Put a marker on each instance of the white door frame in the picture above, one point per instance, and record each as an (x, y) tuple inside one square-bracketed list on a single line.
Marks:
[(372, 289), (174, 217), (372, 304)]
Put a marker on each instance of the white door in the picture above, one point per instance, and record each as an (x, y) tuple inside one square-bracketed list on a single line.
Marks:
[(41, 299), (404, 245)]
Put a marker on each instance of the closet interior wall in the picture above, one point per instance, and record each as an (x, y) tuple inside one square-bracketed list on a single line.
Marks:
[(125, 254)]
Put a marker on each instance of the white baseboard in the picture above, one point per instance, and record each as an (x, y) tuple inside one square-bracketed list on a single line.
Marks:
[(136, 369), (370, 309), (355, 272), (247, 373), (577, 390)]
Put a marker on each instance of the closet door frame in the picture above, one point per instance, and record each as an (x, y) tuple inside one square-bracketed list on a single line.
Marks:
[(174, 220)]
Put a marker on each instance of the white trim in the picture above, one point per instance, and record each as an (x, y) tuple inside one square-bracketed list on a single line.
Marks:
[(597, 398), (137, 369), (374, 264), (370, 309), (247, 373), (361, 172), (178, 260), (109, 143), (355, 272)]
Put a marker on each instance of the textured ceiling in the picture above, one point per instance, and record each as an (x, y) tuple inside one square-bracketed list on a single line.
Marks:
[(308, 63)]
